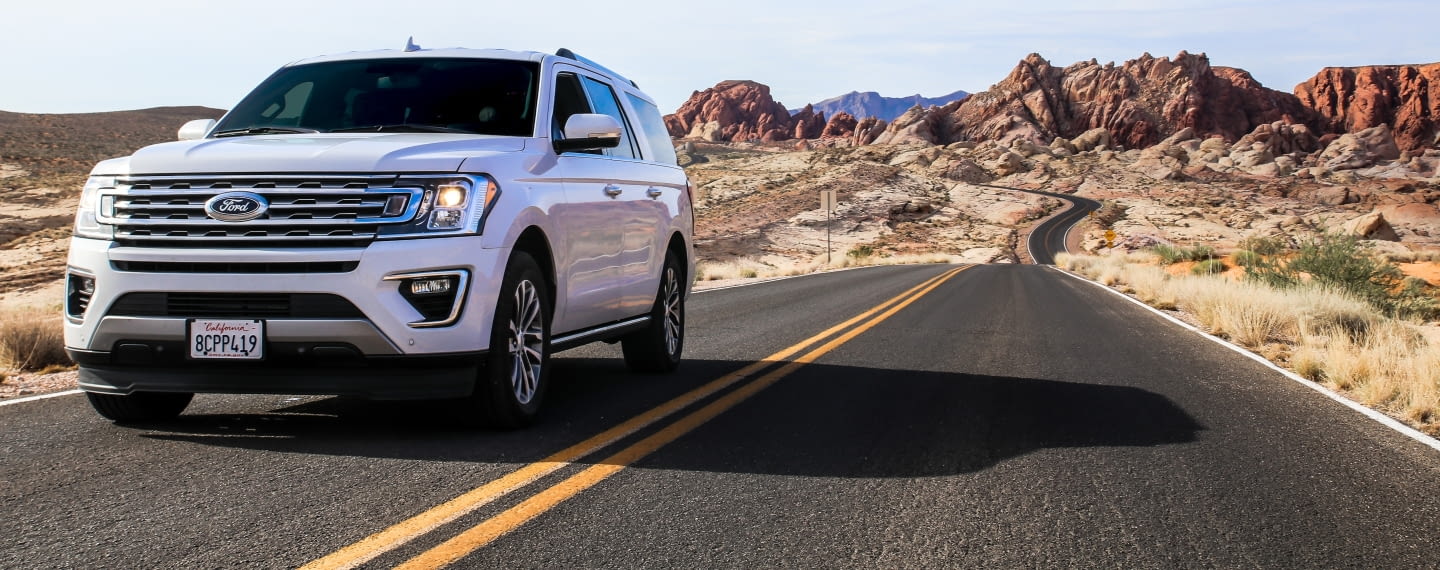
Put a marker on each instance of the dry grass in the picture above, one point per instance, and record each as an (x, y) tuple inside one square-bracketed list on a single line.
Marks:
[(748, 267), (31, 341), (1322, 335)]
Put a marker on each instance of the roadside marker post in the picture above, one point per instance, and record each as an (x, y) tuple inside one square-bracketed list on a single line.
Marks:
[(827, 203)]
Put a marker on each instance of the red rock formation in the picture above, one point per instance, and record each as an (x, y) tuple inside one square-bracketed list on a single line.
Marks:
[(841, 126), (1139, 103), (1351, 99), (867, 130), (808, 123), (733, 111)]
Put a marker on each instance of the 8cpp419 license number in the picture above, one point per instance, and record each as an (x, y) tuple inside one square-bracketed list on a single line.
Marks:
[(227, 339)]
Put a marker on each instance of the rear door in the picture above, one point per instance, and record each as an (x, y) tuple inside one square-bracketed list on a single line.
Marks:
[(591, 217), (640, 211)]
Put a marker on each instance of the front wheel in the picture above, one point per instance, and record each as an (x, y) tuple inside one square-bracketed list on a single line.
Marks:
[(656, 349), (512, 383), (140, 406)]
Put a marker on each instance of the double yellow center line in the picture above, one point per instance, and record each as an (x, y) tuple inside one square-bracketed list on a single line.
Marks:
[(482, 534)]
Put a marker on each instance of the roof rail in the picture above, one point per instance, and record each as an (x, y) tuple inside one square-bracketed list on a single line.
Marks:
[(567, 54)]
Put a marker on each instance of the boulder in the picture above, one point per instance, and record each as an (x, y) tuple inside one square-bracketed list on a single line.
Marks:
[(1371, 226), (1352, 151)]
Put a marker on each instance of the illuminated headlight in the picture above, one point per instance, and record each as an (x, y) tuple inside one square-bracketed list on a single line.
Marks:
[(448, 205), (87, 217), (451, 195)]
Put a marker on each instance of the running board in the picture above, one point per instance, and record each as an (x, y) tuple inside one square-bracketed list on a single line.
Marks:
[(604, 332)]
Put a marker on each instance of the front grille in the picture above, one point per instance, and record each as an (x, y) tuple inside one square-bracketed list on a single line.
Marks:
[(236, 267), (240, 305), (304, 211)]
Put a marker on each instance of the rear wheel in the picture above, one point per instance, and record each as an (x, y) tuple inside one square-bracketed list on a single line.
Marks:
[(140, 406), (657, 348), (512, 383)]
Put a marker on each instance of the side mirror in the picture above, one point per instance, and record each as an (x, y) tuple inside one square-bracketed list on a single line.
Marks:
[(585, 131), (196, 129)]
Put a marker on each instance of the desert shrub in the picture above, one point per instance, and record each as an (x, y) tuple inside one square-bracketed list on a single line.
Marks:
[(1172, 254), (748, 272), (31, 341), (1264, 245), (1346, 263), (860, 251), (1168, 253), (1248, 258), (1208, 267)]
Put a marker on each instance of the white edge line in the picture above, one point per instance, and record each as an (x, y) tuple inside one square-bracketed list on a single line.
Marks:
[(1387, 421), (39, 397), (784, 277)]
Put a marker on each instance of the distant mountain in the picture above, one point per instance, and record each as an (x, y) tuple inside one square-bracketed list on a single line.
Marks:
[(872, 104)]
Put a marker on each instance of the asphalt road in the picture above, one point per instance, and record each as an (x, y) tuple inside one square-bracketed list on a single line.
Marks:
[(1003, 416), (1047, 239)]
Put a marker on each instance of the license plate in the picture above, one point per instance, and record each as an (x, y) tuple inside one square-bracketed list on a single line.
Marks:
[(227, 339)]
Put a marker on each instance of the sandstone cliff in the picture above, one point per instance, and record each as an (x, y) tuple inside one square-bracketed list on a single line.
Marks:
[(737, 111), (1352, 99), (1139, 103)]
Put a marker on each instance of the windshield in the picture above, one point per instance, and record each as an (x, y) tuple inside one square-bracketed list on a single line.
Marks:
[(484, 96)]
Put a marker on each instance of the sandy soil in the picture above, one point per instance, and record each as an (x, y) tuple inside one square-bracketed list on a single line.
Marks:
[(16, 385)]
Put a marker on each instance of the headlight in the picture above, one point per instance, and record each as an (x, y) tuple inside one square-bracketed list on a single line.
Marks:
[(448, 206), (87, 218)]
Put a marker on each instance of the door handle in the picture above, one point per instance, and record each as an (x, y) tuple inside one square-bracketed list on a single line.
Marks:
[(612, 190), (653, 192)]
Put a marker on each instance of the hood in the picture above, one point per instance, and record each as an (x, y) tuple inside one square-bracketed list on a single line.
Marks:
[(323, 152)]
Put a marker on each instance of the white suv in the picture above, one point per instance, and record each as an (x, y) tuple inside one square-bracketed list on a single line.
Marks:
[(389, 225)]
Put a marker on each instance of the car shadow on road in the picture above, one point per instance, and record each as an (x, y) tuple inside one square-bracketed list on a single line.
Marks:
[(822, 420)]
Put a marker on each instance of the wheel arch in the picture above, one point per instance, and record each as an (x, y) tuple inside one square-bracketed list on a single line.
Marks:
[(534, 242), (677, 247)]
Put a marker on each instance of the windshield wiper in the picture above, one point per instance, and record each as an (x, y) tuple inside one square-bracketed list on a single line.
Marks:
[(262, 131), (402, 128)]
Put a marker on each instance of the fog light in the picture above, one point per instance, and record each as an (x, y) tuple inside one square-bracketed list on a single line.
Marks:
[(450, 195), (434, 286), (446, 219), (79, 290)]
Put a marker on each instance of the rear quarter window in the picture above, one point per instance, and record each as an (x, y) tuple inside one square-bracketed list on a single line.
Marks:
[(659, 147)]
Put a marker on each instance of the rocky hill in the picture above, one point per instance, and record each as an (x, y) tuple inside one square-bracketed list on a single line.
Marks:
[(741, 111), (72, 143), (872, 104), (1139, 103), (1406, 97)]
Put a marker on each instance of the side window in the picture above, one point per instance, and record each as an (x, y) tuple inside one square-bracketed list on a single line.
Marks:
[(569, 100), (660, 147), (605, 102)]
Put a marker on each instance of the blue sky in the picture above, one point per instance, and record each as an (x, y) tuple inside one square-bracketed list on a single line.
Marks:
[(62, 56)]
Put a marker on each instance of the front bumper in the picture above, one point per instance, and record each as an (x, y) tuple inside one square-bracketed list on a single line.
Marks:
[(322, 370), (373, 349)]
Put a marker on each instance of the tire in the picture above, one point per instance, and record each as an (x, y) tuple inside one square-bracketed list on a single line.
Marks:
[(140, 406), (657, 348), (512, 382)]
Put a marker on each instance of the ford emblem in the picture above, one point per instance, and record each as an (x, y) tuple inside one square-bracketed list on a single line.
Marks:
[(237, 206)]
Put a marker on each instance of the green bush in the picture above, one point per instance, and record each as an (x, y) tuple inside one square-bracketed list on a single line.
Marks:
[(1168, 253), (861, 251), (1171, 254), (1208, 267), (1248, 258), (1346, 263)]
